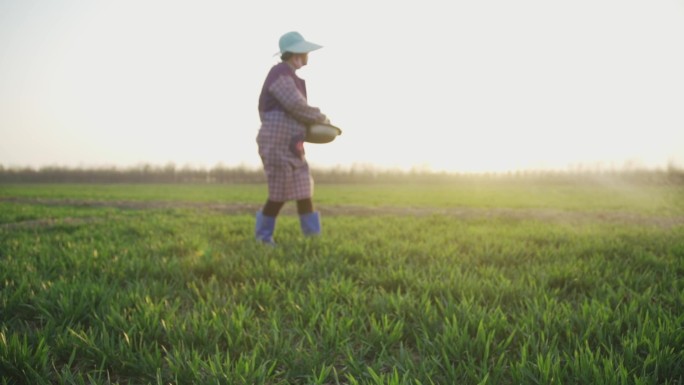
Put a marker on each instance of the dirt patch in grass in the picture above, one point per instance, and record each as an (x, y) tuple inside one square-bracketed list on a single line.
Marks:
[(540, 214), (547, 215), (49, 222)]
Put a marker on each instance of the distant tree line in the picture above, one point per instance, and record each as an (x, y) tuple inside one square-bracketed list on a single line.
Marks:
[(139, 174), (356, 174)]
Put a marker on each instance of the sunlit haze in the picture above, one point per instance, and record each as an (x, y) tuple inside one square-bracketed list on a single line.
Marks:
[(464, 86)]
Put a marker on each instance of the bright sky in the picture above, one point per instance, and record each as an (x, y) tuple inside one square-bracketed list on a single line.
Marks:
[(491, 85)]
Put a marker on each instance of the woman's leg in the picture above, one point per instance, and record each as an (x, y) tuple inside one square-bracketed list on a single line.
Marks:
[(265, 221), (305, 206), (272, 208), (309, 220)]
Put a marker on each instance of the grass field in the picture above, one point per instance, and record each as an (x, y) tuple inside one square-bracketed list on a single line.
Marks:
[(486, 282)]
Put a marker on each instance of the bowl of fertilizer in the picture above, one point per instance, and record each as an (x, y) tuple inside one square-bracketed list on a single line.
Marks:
[(322, 133)]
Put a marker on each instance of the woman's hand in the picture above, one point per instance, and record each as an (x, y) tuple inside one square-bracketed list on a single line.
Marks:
[(297, 145)]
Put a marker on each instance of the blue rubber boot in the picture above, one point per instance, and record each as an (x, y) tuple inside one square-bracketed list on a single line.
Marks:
[(265, 226), (310, 223)]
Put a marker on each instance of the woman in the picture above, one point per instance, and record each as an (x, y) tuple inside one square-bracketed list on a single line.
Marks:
[(285, 114)]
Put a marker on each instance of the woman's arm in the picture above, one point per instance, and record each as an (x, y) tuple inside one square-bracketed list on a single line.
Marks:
[(285, 90)]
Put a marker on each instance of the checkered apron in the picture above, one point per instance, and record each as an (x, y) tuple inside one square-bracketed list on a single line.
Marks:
[(287, 174), (285, 165)]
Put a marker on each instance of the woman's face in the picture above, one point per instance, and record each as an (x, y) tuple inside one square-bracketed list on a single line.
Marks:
[(299, 60)]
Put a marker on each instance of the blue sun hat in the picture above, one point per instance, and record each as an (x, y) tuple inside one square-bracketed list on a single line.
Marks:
[(294, 42)]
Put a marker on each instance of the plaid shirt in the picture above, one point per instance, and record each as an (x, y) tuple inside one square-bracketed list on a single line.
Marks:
[(285, 113)]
